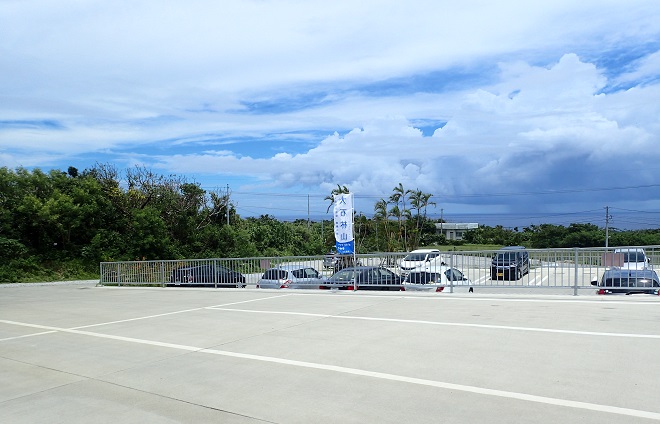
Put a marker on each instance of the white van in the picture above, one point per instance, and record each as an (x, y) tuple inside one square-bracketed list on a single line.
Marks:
[(633, 258), (420, 258)]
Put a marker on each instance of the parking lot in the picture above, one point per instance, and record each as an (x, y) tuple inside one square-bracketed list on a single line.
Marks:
[(79, 353), (569, 271)]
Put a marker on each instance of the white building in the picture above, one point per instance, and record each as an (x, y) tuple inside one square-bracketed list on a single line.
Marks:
[(454, 230)]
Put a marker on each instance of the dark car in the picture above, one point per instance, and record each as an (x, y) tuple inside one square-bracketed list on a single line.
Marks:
[(628, 281), (509, 263), (207, 275), (363, 278)]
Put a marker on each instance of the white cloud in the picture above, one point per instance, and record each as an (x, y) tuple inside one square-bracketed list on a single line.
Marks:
[(144, 80)]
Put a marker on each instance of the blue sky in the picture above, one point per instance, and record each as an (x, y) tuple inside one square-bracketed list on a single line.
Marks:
[(534, 109)]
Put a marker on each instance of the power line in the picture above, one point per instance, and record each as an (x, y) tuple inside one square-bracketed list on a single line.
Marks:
[(459, 196)]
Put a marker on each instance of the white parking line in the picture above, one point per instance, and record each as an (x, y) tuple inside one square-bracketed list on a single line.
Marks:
[(147, 317), (446, 297), (535, 283), (27, 335), (449, 324), (180, 312), (372, 374)]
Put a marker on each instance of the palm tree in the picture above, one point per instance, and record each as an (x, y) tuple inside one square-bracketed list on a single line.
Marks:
[(399, 195), (420, 200), (426, 197), (380, 214), (395, 211), (339, 190)]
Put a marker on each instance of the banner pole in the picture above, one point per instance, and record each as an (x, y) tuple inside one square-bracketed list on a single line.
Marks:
[(355, 286)]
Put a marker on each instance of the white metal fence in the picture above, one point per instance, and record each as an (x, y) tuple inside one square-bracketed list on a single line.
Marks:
[(573, 268)]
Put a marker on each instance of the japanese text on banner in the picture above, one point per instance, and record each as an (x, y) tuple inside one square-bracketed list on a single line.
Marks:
[(343, 218)]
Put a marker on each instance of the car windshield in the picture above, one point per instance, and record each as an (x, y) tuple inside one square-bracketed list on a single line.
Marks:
[(298, 273), (630, 282), (454, 275), (344, 275), (506, 256), (633, 257), (415, 257)]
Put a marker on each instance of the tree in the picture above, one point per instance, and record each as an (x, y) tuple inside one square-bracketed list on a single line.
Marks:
[(418, 201), (399, 196), (381, 215), (339, 190)]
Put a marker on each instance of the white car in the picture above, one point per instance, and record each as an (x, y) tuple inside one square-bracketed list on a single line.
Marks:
[(291, 276), (633, 258), (420, 258), (434, 279)]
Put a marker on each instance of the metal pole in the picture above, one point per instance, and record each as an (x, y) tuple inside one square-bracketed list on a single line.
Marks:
[(451, 266), (442, 220), (575, 283), (607, 226), (354, 241), (215, 273)]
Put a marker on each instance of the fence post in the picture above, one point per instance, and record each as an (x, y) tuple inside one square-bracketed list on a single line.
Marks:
[(118, 274), (215, 272), (162, 273), (575, 282), (451, 280)]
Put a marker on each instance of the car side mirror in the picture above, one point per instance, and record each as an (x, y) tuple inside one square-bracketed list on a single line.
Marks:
[(594, 282)]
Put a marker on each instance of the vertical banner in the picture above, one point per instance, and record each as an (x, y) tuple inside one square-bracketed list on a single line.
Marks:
[(343, 217)]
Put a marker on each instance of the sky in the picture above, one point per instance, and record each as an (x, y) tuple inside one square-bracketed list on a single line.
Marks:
[(544, 110)]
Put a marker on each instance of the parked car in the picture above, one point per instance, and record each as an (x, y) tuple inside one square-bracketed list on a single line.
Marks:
[(509, 263), (292, 276), (435, 280), (628, 281), (330, 259), (418, 258), (363, 278), (207, 275), (633, 258)]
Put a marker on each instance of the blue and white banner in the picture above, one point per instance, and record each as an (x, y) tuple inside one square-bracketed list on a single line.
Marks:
[(343, 216)]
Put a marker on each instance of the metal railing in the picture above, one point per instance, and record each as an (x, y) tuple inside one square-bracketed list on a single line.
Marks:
[(573, 268)]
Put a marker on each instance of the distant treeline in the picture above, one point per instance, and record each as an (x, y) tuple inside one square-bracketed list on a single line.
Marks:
[(60, 225)]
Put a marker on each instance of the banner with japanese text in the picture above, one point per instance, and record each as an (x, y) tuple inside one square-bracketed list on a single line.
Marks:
[(343, 218)]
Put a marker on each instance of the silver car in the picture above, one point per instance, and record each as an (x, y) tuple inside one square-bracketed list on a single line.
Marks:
[(291, 276)]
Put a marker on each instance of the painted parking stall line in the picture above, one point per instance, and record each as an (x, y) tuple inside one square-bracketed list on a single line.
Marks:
[(370, 374), (448, 324), (144, 317), (41, 333), (179, 312)]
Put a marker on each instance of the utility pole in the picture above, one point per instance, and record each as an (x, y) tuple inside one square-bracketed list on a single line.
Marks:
[(227, 204), (607, 225), (441, 220)]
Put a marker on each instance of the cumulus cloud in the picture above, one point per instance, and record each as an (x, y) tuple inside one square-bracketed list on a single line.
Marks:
[(291, 95)]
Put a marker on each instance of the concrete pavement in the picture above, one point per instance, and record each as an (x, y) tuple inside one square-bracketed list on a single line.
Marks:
[(77, 353)]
